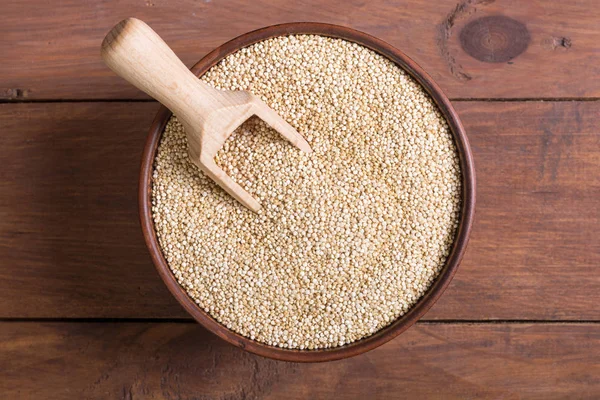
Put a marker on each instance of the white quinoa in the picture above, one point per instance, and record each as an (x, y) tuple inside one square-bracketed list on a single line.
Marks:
[(351, 236)]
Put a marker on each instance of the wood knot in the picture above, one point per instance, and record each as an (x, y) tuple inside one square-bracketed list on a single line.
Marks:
[(494, 39)]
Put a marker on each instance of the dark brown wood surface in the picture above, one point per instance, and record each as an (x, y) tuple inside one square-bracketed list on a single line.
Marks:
[(50, 51), (183, 361), (83, 313)]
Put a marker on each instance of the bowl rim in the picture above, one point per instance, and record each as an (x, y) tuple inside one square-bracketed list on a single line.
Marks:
[(452, 262)]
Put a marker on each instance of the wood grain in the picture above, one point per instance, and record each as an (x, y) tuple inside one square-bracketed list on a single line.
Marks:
[(54, 52), (183, 361), (71, 245), (70, 241), (534, 251)]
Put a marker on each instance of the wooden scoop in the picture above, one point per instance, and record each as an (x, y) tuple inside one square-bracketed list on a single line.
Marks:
[(209, 116)]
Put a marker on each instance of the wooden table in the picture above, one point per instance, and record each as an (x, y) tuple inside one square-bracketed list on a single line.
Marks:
[(83, 313)]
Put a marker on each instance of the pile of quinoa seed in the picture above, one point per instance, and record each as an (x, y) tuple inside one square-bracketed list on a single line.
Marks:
[(350, 236)]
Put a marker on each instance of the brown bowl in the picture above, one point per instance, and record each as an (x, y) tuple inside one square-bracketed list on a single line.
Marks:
[(460, 243)]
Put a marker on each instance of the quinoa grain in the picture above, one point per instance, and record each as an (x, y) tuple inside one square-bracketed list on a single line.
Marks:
[(351, 236)]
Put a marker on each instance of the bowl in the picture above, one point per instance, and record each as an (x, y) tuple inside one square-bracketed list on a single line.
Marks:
[(460, 241)]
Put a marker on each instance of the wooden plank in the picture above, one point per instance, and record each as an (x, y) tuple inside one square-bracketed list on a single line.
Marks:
[(183, 361), (534, 251), (71, 246), (70, 240), (550, 51)]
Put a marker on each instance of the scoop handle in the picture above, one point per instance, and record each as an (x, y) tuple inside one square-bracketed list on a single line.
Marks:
[(136, 53)]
